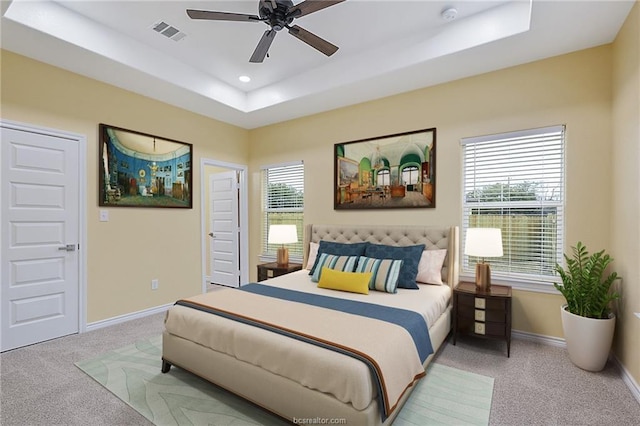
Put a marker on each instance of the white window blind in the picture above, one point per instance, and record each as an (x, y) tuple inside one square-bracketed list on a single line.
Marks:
[(515, 182), (283, 203)]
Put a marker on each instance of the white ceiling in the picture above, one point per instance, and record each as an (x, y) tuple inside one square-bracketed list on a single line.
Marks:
[(386, 47)]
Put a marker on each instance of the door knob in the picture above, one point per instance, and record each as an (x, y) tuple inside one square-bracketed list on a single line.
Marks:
[(68, 247), (211, 235)]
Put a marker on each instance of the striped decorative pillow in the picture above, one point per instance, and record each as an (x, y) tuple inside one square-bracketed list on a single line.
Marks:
[(410, 255), (385, 273), (332, 261)]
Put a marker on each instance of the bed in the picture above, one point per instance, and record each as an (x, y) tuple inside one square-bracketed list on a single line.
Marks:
[(295, 378)]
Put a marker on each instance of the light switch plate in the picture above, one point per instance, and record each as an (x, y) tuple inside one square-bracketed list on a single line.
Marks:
[(104, 215)]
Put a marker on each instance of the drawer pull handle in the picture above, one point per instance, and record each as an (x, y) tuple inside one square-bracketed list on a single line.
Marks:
[(479, 328), (479, 315), (480, 302)]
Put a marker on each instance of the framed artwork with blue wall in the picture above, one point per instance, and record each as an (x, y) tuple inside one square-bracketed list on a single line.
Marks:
[(386, 172), (141, 170)]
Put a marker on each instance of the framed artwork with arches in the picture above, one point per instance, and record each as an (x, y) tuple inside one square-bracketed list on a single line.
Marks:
[(386, 172)]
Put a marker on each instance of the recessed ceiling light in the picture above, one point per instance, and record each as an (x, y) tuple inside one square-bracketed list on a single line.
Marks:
[(244, 78), (449, 14)]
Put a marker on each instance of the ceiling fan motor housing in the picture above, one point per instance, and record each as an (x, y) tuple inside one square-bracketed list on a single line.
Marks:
[(276, 17)]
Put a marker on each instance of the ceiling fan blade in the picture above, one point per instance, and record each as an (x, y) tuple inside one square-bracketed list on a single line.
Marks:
[(313, 40), (222, 16), (263, 46), (310, 6)]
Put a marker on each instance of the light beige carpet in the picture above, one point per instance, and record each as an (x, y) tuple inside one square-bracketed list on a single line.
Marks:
[(445, 396)]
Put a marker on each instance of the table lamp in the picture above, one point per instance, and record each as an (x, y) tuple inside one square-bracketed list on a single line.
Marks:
[(283, 234), (483, 242)]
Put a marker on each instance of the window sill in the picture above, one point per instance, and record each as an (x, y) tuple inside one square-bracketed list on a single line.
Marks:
[(268, 259), (516, 284)]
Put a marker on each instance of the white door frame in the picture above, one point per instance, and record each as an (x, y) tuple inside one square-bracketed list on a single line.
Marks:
[(82, 207), (243, 172)]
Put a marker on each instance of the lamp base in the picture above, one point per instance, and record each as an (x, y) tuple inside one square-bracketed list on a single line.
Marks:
[(483, 277), (283, 256)]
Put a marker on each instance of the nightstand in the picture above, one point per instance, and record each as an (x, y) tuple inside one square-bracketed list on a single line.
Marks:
[(483, 314), (271, 270)]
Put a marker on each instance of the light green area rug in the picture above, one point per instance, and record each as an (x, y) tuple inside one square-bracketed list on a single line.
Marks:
[(446, 396)]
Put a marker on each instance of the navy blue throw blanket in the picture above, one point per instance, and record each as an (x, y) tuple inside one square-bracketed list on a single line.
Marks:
[(411, 321)]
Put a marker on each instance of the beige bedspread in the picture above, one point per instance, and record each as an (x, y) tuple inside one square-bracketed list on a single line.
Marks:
[(389, 346), (430, 301)]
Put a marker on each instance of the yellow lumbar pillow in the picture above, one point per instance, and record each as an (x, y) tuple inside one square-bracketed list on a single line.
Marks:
[(354, 282)]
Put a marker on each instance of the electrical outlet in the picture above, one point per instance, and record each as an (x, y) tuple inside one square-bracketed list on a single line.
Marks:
[(154, 284)]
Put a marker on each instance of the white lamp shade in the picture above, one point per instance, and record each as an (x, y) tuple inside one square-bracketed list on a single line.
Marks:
[(483, 242), (283, 234)]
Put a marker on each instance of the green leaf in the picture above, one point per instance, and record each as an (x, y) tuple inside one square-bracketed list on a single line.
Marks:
[(583, 287)]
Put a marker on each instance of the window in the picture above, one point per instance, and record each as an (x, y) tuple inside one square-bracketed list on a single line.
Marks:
[(283, 203), (382, 177), (410, 175), (515, 182)]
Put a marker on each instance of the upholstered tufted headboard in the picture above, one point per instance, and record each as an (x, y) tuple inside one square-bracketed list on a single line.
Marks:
[(398, 235)]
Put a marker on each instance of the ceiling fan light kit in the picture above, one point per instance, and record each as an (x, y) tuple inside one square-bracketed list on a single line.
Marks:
[(278, 15)]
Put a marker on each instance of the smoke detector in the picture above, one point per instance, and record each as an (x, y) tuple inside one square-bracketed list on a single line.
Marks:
[(449, 14)]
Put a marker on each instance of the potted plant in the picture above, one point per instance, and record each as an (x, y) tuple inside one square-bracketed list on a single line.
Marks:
[(587, 320)]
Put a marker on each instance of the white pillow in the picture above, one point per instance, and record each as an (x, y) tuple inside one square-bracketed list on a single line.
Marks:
[(430, 267), (313, 253)]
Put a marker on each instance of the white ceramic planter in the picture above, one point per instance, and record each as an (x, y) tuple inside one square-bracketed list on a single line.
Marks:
[(588, 339)]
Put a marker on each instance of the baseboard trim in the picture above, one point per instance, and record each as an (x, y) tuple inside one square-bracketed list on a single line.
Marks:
[(627, 378), (127, 317), (540, 338)]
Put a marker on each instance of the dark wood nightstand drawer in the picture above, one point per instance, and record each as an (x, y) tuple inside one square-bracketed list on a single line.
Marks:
[(263, 274), (490, 329), (484, 315), (481, 302), (272, 270), (469, 325)]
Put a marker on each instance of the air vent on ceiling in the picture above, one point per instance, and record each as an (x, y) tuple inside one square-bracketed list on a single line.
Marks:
[(168, 31)]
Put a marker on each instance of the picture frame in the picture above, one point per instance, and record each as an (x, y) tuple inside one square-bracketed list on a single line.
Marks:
[(386, 172), (140, 170)]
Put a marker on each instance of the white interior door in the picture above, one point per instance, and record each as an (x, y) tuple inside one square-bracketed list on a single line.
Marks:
[(224, 241), (40, 235)]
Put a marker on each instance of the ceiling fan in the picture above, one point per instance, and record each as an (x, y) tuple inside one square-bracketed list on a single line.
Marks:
[(278, 14)]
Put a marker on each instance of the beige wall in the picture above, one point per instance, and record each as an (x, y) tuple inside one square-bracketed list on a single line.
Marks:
[(573, 89), (625, 217), (137, 244)]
